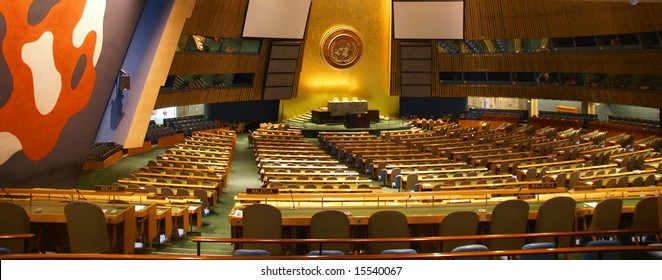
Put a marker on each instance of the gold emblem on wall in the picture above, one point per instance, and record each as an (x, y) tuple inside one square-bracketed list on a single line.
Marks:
[(341, 47)]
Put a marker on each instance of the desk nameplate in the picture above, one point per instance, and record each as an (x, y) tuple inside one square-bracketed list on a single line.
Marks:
[(261, 191), (109, 188)]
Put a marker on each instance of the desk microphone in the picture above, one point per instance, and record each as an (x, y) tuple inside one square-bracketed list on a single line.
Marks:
[(406, 201), (517, 194), (81, 195), (5, 191), (292, 199)]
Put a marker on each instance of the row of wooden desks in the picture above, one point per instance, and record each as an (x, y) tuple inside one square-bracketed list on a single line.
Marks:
[(416, 215), (212, 191), (158, 219)]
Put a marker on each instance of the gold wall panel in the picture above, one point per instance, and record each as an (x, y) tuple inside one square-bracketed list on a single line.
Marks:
[(368, 79)]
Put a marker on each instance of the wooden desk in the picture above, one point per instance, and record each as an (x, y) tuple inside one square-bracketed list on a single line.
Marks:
[(218, 178), (209, 164), (339, 181), (294, 165), (121, 216), (270, 175), (297, 161), (416, 215), (202, 168), (212, 191)]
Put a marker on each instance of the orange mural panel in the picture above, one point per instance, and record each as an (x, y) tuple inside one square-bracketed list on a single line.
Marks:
[(37, 132)]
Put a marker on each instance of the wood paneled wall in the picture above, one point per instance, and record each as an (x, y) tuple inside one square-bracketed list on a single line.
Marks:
[(518, 19), (630, 62), (222, 18), (396, 85), (205, 63), (203, 96), (194, 63), (586, 94)]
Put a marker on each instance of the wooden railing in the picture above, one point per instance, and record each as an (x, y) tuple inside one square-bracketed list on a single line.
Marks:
[(321, 242)]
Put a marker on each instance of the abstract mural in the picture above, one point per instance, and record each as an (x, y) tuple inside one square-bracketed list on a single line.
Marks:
[(58, 62)]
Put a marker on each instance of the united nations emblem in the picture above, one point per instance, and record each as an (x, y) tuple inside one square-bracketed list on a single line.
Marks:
[(341, 47)]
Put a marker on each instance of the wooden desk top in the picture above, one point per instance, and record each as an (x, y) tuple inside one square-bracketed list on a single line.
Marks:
[(53, 212), (204, 168), (218, 176), (323, 181), (415, 214), (209, 189), (222, 163), (330, 166)]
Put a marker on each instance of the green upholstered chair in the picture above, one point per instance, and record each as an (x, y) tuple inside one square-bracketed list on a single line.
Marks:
[(327, 225), (457, 224), (263, 221), (86, 227), (509, 216), (385, 224)]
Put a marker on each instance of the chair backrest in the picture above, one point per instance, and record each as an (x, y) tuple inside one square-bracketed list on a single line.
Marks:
[(622, 182), (384, 224), (509, 216), (395, 172), (530, 175), (597, 184), (86, 227), (13, 220), (151, 189), (607, 214), (263, 221), (637, 182), (330, 224), (646, 215), (183, 192), (556, 215), (574, 179), (465, 182), (561, 180), (458, 223), (611, 183), (650, 180), (167, 192), (202, 195)]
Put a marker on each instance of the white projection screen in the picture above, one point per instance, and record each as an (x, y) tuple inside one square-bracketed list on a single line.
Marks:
[(284, 19), (428, 20)]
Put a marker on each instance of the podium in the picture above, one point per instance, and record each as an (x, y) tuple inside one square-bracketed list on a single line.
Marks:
[(357, 120)]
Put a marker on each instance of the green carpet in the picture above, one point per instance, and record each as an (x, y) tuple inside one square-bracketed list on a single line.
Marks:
[(243, 174)]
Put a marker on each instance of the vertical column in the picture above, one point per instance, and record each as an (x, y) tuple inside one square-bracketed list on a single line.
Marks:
[(590, 107), (533, 110)]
